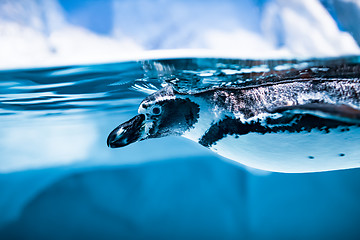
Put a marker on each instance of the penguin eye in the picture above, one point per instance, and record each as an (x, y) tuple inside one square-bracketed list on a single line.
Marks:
[(155, 110)]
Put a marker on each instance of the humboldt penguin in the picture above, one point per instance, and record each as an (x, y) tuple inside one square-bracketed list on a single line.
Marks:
[(293, 126)]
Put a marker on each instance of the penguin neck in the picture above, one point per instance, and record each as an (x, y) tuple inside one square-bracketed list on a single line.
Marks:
[(207, 117)]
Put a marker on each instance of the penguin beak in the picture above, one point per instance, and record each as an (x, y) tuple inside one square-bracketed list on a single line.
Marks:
[(128, 132)]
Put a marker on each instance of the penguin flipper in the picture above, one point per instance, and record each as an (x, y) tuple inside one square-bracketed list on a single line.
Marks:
[(340, 112)]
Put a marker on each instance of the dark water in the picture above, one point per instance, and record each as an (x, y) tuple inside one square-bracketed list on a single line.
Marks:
[(59, 180)]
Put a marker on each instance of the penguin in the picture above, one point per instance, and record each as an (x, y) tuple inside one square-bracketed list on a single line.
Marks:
[(293, 125)]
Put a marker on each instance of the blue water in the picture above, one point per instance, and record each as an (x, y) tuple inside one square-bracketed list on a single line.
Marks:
[(59, 180)]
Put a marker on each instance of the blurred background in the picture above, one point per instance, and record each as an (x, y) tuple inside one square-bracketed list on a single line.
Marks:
[(58, 179), (58, 32)]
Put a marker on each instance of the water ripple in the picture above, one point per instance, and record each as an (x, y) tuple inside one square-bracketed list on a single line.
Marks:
[(85, 88), (121, 86)]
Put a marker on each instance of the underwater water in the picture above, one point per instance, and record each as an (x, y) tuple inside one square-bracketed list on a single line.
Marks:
[(59, 180)]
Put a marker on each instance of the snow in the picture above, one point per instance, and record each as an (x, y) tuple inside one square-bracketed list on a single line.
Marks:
[(36, 33)]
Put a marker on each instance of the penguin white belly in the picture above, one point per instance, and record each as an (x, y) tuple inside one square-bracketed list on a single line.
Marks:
[(313, 151)]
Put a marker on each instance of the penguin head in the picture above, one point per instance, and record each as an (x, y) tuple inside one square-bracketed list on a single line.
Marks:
[(161, 114)]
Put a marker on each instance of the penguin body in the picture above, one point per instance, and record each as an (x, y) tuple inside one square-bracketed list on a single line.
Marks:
[(298, 125)]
